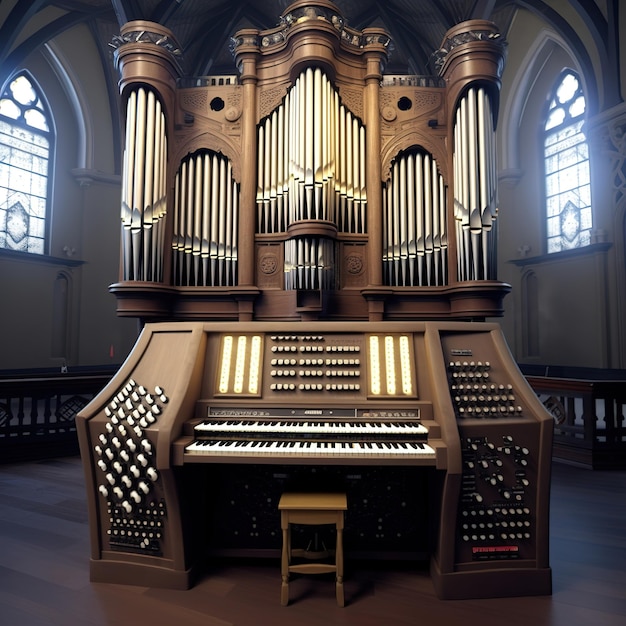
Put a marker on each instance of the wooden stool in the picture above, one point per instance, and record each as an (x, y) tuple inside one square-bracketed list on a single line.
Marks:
[(311, 509)]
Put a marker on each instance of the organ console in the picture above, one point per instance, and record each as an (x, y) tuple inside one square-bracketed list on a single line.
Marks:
[(310, 246), (193, 440)]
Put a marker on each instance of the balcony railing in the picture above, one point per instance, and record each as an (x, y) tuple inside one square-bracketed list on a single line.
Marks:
[(589, 425), (37, 413)]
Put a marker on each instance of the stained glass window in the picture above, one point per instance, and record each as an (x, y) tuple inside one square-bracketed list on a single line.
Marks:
[(25, 145), (566, 159)]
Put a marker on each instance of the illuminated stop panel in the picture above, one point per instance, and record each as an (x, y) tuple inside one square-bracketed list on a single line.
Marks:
[(391, 366), (317, 365), (239, 371)]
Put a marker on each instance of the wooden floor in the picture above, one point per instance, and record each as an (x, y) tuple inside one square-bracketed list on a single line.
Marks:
[(44, 573)]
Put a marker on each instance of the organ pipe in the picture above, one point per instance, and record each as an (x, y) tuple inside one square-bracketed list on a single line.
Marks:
[(475, 185)]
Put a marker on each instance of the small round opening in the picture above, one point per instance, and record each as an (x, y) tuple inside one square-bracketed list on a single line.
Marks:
[(404, 104), (217, 104)]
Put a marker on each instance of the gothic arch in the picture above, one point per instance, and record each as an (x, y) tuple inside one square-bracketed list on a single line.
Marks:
[(79, 101), (513, 106)]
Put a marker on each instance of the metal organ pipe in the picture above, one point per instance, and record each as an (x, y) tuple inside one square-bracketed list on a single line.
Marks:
[(342, 161), (483, 200), (404, 244), (213, 211), (205, 214), (362, 226), (189, 215), (127, 196), (300, 169), (148, 179), (206, 208), (414, 229), (462, 198), (419, 212), (138, 200), (428, 210), (410, 209), (143, 187), (259, 175), (224, 209), (160, 194), (475, 185), (280, 169), (194, 218)]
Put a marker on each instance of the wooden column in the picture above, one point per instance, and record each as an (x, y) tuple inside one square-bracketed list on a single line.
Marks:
[(376, 54), (247, 53)]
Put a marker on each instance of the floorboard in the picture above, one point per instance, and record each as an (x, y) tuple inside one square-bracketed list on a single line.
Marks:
[(44, 570)]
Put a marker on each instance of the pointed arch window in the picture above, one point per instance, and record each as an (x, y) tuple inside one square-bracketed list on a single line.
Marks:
[(26, 140), (566, 159)]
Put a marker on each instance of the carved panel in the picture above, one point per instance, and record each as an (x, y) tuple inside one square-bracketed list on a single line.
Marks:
[(269, 266), (353, 100), (353, 265), (427, 100), (194, 100), (270, 99), (422, 102)]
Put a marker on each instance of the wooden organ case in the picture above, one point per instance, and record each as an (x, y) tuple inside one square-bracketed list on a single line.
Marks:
[(311, 247)]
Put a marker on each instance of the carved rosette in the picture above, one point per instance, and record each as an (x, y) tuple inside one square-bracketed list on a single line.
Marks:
[(354, 266)]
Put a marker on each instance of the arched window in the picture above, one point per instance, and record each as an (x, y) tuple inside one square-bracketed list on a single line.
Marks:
[(25, 150), (566, 158)]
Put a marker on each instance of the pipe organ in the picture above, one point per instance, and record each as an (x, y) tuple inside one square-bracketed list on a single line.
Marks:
[(313, 186), (311, 248)]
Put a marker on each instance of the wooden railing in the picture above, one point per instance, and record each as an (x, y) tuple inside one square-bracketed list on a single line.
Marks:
[(37, 414), (589, 420)]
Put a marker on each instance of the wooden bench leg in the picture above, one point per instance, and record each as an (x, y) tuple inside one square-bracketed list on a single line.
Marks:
[(339, 565), (284, 589)]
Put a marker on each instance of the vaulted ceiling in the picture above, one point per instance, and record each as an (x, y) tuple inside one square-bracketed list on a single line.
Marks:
[(204, 27)]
